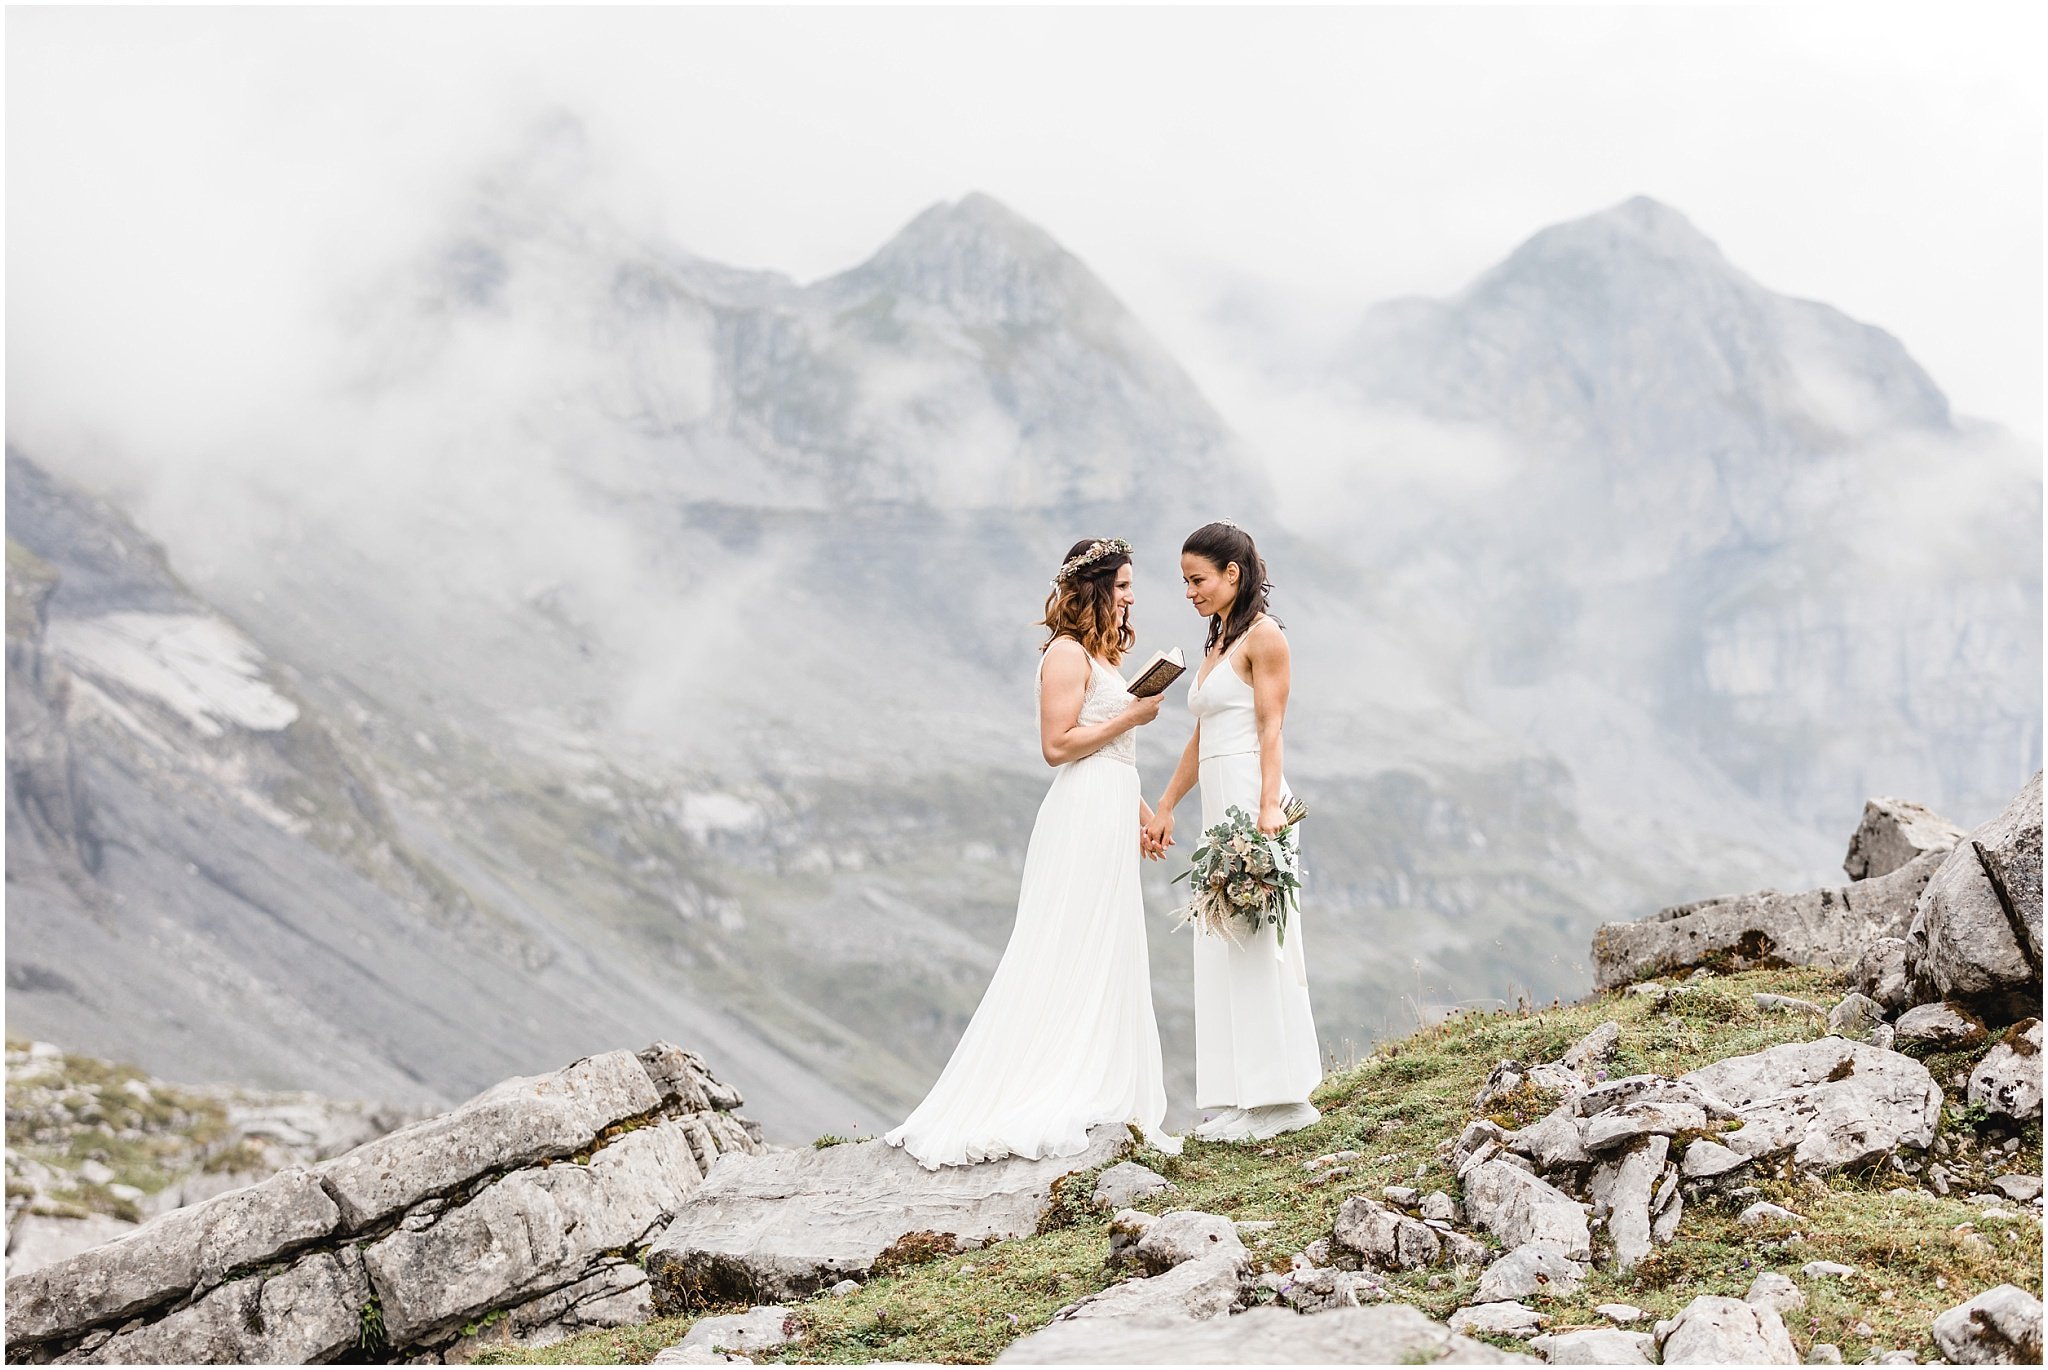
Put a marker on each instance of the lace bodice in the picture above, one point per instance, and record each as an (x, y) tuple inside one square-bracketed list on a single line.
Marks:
[(1105, 699)]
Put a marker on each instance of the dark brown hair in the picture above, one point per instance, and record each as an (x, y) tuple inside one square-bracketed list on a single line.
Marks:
[(1082, 606), (1220, 544)]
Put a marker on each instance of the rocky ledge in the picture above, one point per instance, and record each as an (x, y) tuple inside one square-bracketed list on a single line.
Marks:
[(528, 1204)]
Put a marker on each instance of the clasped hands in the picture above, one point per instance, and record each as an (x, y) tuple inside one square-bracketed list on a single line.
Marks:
[(1155, 835)]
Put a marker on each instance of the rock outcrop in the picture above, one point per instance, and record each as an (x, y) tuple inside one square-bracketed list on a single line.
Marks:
[(1975, 937), (784, 1225), (1895, 833), (394, 1246), (1826, 927)]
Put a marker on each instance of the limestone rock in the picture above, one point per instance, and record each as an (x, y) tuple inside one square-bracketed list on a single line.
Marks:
[(1856, 1017), (1594, 1050), (758, 1329), (1705, 1159), (784, 1225), (1893, 833), (2001, 1326), (1976, 934), (1517, 1207), (1384, 1334), (1595, 1346), (1621, 1190), (1646, 1117), (1768, 1214), (1186, 1235), (1206, 1287), (2008, 1080), (1552, 1141), (1438, 1206), (1499, 1319), (1319, 1291), (1530, 1269), (1825, 927), (185, 1249), (513, 1123), (1772, 1290), (1620, 1314), (1945, 1027), (35, 1240), (305, 1314), (1883, 973), (1630, 1090), (1814, 1270), (1383, 1237), (1716, 1330), (2019, 1188), (1831, 1103), (1785, 1003), (1125, 1183), (564, 1215)]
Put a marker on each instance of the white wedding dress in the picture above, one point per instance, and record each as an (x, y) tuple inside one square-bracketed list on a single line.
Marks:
[(1255, 1039), (1064, 1038)]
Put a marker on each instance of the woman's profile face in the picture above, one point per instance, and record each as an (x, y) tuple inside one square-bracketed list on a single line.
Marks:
[(1211, 590), (1125, 595)]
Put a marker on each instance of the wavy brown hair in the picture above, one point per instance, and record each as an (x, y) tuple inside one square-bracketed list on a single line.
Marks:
[(1082, 606), (1220, 544)]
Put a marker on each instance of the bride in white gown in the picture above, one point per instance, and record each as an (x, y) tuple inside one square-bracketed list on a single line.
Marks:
[(1256, 1056), (1064, 1038)]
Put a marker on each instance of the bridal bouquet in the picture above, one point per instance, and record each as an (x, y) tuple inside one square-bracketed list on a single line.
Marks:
[(1241, 879)]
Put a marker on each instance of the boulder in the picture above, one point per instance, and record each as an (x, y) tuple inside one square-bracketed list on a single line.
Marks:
[(1499, 1320), (1185, 1235), (2001, 1326), (1125, 1183), (1976, 935), (185, 1250), (1384, 1334), (1621, 1190), (1617, 1127), (1768, 1215), (1593, 1051), (1772, 1290), (783, 1225), (1651, 1089), (1830, 1103), (1857, 1017), (1319, 1291), (1894, 833), (1595, 1346), (1705, 1159), (758, 1329), (308, 1313), (1943, 1027), (2008, 1080), (1883, 973), (1552, 1141), (462, 1265), (513, 1123), (1206, 1287), (1716, 1330), (1517, 1207), (1438, 1206), (1384, 1238), (1530, 1269), (2019, 1188), (1825, 927)]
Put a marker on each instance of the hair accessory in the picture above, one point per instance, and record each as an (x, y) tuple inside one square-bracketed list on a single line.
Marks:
[(1230, 523), (1097, 550)]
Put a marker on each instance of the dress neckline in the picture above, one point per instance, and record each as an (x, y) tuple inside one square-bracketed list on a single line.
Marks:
[(1202, 676)]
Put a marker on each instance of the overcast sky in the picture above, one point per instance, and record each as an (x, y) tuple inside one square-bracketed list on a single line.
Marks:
[(185, 186)]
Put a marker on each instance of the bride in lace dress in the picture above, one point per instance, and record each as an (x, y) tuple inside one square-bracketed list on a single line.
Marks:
[(1064, 1038)]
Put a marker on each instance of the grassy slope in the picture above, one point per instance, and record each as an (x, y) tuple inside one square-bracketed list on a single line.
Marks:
[(1396, 1106)]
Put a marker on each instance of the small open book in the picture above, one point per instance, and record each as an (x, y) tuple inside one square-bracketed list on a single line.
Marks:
[(1155, 675)]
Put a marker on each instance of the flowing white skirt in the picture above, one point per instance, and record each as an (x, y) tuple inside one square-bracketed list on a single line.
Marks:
[(1064, 1038), (1255, 1039)]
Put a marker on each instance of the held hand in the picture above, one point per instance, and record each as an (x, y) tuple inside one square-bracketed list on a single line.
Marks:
[(1160, 831), (1143, 711), (1271, 819)]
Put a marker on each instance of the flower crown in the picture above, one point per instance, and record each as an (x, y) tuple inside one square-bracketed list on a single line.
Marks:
[(1097, 550)]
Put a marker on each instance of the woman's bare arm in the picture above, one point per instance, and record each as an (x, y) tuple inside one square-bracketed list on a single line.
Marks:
[(1063, 685), (1271, 663)]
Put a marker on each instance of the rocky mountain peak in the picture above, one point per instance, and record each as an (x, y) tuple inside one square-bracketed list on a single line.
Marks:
[(982, 261)]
